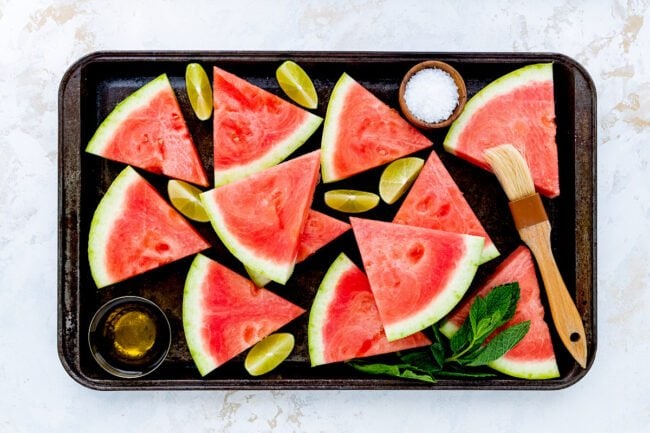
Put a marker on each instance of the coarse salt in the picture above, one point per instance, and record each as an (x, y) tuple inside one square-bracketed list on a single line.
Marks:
[(431, 95)]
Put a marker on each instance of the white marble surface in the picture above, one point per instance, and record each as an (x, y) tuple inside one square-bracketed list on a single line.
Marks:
[(39, 39)]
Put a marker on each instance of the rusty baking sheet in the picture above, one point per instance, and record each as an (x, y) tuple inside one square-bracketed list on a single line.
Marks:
[(96, 83)]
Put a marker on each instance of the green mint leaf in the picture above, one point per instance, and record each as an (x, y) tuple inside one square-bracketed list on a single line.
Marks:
[(500, 344), (493, 310), (465, 373), (462, 338), (438, 353), (419, 361), (394, 370), (476, 312), (504, 299), (438, 347), (484, 328), (408, 374), (377, 368), (437, 335)]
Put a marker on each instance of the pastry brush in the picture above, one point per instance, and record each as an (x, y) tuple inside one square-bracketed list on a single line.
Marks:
[(534, 228)]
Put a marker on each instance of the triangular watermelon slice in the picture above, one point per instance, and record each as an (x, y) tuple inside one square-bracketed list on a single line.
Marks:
[(344, 322), (319, 230), (224, 313), (260, 218), (519, 109), (253, 129), (533, 357), (361, 132), (147, 130), (417, 275), (436, 202), (134, 230)]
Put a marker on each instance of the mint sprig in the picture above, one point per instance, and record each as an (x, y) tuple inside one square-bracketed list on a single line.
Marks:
[(468, 348)]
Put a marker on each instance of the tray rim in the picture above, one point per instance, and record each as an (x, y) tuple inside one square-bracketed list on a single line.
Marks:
[(318, 384)]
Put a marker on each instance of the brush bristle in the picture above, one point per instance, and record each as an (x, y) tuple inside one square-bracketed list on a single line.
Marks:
[(511, 170)]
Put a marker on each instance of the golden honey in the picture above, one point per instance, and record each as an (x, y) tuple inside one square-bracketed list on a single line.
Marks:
[(132, 332), (129, 337)]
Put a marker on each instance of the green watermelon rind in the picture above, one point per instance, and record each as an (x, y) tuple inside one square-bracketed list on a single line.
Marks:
[(318, 314), (450, 296), (106, 213), (502, 85), (330, 126), (534, 370), (193, 313), (258, 278), (138, 99), (489, 252), (448, 329), (279, 153), (527, 370), (277, 272)]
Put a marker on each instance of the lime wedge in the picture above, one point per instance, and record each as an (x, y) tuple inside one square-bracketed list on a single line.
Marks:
[(296, 84), (269, 353), (397, 177), (185, 198), (199, 91), (350, 200)]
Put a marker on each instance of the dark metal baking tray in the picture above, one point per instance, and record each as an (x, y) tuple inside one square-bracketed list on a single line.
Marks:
[(96, 83)]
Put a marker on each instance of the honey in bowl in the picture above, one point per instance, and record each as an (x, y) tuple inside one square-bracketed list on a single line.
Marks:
[(129, 336)]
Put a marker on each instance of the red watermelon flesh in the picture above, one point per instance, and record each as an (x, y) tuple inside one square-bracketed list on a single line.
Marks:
[(417, 275), (134, 230), (533, 357), (253, 129), (319, 230), (362, 132), (147, 130), (436, 202), (260, 218), (519, 109), (344, 322), (225, 314)]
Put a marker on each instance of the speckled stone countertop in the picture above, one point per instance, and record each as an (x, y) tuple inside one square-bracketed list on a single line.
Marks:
[(39, 39)]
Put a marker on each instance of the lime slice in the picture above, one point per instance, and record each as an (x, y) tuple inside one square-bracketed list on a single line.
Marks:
[(269, 353), (296, 84), (199, 91), (185, 198), (397, 177), (350, 200)]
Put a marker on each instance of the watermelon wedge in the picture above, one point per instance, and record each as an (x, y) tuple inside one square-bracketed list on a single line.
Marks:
[(344, 322), (361, 132), (417, 275), (436, 202), (135, 230), (533, 357), (319, 230), (260, 218), (253, 129), (518, 108), (147, 130), (225, 314)]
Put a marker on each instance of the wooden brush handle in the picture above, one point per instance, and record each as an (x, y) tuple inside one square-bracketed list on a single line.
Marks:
[(563, 310)]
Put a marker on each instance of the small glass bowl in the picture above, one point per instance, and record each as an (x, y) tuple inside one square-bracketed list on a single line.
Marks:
[(129, 336), (460, 84)]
